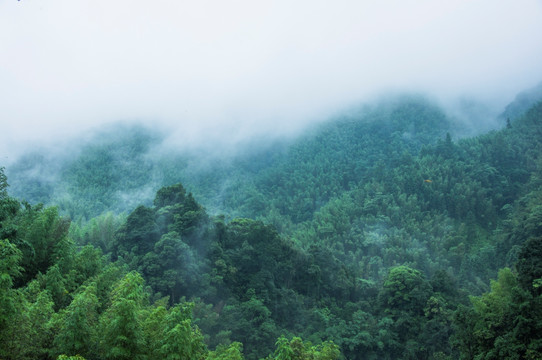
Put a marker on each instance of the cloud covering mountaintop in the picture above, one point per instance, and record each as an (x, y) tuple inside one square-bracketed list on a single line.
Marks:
[(216, 70)]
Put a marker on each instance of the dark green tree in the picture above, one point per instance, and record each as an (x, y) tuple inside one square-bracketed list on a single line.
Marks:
[(138, 236), (404, 296), (178, 211), (529, 266)]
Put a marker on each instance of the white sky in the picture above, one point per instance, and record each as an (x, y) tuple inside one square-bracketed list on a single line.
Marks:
[(209, 69)]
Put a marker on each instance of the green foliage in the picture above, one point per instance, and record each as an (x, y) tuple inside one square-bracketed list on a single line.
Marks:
[(10, 258), (494, 313), (234, 351), (296, 349), (65, 357), (43, 239), (180, 339), (99, 232), (365, 235), (9, 264), (529, 265), (36, 332), (78, 324), (405, 289), (170, 196), (121, 332), (503, 323), (178, 211), (87, 263), (9, 208), (139, 234), (244, 317), (3, 184)]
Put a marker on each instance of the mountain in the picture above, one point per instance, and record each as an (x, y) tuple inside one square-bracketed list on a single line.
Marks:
[(123, 162), (523, 101), (377, 232)]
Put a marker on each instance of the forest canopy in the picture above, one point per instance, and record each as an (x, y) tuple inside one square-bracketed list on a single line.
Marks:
[(378, 235)]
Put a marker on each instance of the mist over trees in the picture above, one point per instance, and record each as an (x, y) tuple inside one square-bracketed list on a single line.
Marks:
[(376, 235)]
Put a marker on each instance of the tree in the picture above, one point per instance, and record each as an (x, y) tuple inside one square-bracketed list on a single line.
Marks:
[(121, 332), (10, 299), (56, 285), (100, 231), (87, 263), (78, 324), (405, 289), (178, 211), (251, 324), (153, 328), (486, 331), (170, 195), (529, 266), (404, 297), (172, 267), (9, 207), (43, 236), (181, 340), (3, 184), (38, 334), (233, 351), (138, 236), (296, 349), (65, 357)]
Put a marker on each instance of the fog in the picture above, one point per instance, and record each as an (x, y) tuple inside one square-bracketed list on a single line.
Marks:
[(221, 71)]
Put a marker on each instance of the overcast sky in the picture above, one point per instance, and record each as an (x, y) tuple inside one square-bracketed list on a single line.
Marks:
[(232, 68)]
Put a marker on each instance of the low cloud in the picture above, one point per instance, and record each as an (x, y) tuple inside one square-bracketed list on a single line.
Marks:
[(224, 71)]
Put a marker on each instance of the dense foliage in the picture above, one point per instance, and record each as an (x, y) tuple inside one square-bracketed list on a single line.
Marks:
[(374, 236)]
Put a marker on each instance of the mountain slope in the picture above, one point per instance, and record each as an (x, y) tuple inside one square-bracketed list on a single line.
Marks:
[(383, 225)]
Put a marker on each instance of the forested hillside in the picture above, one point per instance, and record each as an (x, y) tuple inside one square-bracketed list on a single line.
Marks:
[(121, 163), (376, 235)]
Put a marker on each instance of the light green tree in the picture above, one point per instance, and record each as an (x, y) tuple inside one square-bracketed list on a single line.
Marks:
[(296, 349), (233, 351), (78, 323), (182, 340), (121, 331)]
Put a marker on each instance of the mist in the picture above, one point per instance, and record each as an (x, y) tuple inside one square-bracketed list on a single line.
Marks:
[(220, 73)]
